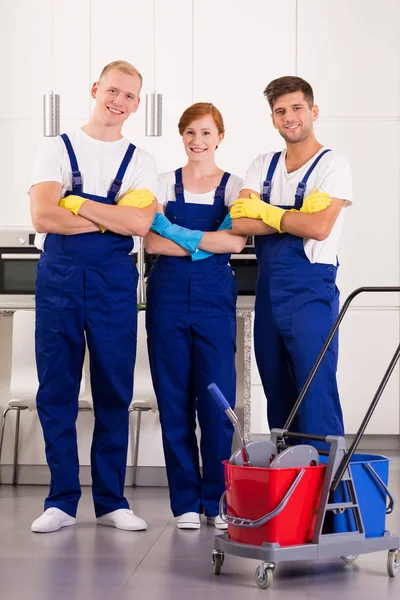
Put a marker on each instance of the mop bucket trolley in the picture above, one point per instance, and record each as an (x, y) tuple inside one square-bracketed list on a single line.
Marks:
[(277, 515)]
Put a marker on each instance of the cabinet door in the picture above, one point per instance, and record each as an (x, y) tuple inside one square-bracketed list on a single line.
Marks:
[(349, 51), (238, 49), (369, 252), (368, 340), (71, 60), (18, 145), (25, 50), (158, 43)]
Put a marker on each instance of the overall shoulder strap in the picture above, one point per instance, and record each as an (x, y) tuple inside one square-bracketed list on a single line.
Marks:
[(266, 193), (301, 188), (116, 184), (76, 174), (179, 192)]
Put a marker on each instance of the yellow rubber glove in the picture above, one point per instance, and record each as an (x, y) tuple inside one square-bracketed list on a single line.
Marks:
[(72, 203), (254, 208), (315, 202), (138, 198)]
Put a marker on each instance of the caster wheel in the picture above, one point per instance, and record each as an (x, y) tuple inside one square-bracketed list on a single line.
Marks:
[(218, 561), (349, 558), (264, 576), (393, 563)]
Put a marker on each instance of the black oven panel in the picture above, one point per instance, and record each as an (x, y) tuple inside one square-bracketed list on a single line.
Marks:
[(18, 260)]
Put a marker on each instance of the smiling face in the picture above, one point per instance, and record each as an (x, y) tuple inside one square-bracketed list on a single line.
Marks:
[(117, 96), (293, 117), (200, 138)]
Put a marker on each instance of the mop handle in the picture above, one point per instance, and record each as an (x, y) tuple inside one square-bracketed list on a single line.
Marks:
[(222, 401)]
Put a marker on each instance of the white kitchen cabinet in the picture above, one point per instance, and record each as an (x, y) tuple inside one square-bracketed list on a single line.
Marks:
[(368, 340), (168, 67), (238, 49), (349, 50), (369, 250), (36, 57), (18, 144), (25, 50), (72, 59)]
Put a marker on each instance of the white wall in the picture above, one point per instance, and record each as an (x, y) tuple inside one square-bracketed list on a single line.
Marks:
[(226, 51)]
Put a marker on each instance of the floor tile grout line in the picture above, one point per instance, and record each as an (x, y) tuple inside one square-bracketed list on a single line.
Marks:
[(146, 554)]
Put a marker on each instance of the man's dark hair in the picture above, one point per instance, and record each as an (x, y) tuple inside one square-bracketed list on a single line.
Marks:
[(288, 85)]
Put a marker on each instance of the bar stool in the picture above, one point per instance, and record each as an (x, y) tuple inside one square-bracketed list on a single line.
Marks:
[(24, 381)]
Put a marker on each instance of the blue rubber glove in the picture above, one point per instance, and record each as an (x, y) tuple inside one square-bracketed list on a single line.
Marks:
[(226, 224), (186, 238)]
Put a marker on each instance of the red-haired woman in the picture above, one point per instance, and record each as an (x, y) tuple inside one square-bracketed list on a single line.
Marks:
[(191, 317)]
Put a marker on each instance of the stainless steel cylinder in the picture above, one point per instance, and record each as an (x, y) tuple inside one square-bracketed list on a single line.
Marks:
[(154, 114), (141, 269), (51, 114)]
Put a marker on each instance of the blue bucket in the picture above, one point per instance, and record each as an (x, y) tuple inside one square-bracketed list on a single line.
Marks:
[(366, 470)]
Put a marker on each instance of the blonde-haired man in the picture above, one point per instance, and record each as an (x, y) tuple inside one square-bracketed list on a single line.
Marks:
[(86, 289)]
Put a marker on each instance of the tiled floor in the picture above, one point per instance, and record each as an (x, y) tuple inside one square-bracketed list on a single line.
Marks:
[(88, 562)]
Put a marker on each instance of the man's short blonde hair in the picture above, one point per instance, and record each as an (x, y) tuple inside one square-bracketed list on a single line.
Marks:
[(121, 65)]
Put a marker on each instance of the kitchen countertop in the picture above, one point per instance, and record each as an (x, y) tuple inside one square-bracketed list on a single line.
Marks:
[(244, 304), (7, 312), (244, 310)]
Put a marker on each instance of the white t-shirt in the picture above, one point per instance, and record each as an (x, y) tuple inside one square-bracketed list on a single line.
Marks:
[(332, 175), (166, 191), (98, 163)]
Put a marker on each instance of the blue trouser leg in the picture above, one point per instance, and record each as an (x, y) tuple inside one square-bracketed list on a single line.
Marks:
[(214, 345), (60, 350), (111, 328), (314, 311), (273, 360), (191, 337), (320, 412), (170, 352), (171, 362), (293, 317)]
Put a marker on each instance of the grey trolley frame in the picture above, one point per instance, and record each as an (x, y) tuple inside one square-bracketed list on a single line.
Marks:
[(346, 545)]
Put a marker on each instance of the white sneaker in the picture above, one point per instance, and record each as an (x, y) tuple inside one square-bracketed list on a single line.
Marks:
[(123, 518), (217, 522), (52, 520), (189, 520)]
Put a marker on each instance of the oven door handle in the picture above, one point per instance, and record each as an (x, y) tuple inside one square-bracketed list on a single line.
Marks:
[(21, 256), (243, 257)]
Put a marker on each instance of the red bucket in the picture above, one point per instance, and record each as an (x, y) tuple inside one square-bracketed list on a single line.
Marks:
[(253, 492)]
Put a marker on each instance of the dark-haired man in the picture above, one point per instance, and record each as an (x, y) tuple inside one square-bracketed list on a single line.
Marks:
[(292, 201)]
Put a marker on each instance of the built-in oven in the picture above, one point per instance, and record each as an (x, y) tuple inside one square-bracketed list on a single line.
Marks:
[(246, 268), (244, 264), (18, 260)]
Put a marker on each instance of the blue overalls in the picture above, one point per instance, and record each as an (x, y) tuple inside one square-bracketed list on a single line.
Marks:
[(86, 284), (191, 327), (297, 303)]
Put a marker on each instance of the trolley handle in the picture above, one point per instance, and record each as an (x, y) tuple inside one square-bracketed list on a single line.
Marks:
[(325, 347), (348, 456), (389, 508), (252, 524)]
